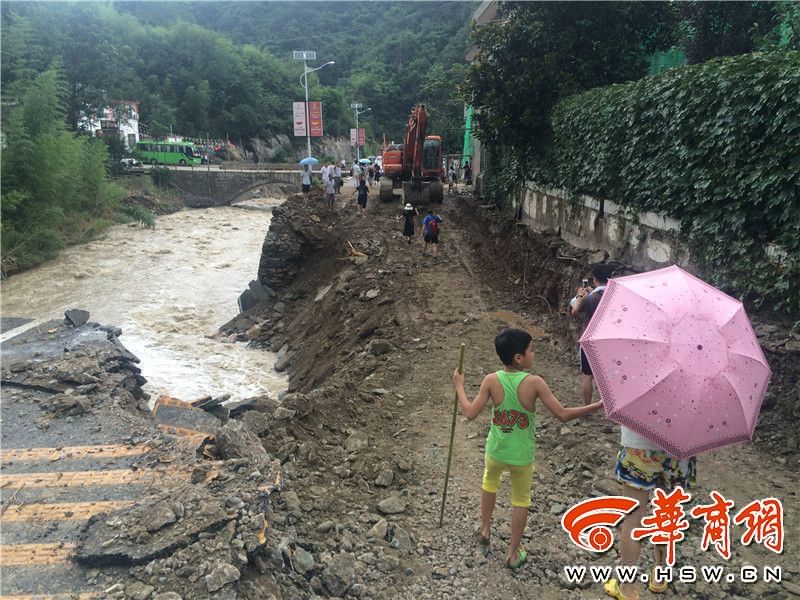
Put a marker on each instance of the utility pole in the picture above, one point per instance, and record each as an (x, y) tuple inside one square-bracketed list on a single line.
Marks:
[(305, 55), (355, 106)]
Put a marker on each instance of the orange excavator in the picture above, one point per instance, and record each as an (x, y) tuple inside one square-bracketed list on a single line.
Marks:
[(415, 165)]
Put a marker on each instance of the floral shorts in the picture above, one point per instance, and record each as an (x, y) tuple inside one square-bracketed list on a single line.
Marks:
[(649, 469)]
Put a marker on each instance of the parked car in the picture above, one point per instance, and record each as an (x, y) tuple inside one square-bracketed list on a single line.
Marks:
[(131, 165)]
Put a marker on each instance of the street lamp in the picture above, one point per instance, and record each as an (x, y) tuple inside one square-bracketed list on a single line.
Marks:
[(305, 55), (355, 107)]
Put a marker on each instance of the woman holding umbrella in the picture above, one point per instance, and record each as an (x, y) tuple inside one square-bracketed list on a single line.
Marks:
[(305, 164), (679, 367)]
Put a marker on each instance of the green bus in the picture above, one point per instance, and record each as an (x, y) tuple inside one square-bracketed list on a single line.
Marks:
[(168, 153)]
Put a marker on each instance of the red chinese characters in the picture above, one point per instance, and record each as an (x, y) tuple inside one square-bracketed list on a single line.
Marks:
[(668, 521), (717, 527), (763, 521)]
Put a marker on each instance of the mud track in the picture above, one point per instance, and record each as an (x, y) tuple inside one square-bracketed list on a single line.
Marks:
[(371, 342)]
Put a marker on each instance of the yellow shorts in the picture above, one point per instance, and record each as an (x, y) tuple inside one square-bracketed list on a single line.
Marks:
[(521, 479)]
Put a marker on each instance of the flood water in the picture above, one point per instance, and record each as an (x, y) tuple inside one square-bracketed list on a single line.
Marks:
[(168, 289)]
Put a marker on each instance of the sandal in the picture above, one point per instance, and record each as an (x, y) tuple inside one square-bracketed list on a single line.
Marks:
[(482, 544), (612, 589), (521, 557), (653, 586)]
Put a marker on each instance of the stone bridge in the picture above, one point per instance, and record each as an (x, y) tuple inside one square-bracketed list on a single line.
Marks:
[(202, 188)]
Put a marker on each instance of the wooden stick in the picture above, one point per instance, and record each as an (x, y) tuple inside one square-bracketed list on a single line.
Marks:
[(452, 435)]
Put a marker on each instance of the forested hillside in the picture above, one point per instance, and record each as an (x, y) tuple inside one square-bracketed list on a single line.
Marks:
[(226, 68)]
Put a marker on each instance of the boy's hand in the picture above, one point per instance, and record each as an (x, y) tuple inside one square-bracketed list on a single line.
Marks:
[(458, 379)]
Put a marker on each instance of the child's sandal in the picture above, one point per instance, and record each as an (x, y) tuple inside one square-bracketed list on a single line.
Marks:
[(482, 544), (521, 557), (654, 586), (611, 588)]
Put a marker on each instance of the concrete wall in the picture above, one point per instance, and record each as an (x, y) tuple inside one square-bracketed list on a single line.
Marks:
[(201, 188), (647, 240)]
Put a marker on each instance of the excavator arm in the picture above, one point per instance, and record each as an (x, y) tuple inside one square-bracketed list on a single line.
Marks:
[(415, 139)]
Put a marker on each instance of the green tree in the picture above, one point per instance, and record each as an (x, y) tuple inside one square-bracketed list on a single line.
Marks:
[(543, 51), (710, 29), (194, 109), (55, 185)]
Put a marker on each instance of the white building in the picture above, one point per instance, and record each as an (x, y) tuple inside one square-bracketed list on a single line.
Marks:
[(120, 118)]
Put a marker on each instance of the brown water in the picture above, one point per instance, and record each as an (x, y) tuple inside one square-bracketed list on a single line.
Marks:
[(168, 289)]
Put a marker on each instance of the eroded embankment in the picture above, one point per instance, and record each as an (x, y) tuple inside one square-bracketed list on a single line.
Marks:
[(368, 330)]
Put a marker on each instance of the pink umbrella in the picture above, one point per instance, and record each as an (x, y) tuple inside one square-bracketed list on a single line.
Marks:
[(676, 361)]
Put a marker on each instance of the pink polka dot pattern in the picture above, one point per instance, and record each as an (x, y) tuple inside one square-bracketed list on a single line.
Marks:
[(676, 360)]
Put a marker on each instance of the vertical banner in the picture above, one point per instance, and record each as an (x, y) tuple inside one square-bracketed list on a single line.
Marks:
[(299, 118), (315, 118), (353, 137), (362, 136)]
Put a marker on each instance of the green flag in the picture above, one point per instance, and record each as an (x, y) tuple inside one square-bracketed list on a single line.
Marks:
[(466, 153)]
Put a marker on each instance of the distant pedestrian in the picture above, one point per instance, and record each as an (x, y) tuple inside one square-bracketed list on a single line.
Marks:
[(356, 173), (330, 191), (409, 213), (585, 302), (337, 178), (430, 232), (324, 173), (451, 179), (377, 172), (363, 194), (467, 174), (371, 175), (306, 180)]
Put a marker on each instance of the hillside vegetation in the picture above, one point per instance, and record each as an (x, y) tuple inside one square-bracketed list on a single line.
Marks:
[(225, 69)]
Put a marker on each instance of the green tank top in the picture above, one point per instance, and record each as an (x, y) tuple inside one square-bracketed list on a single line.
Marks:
[(511, 437)]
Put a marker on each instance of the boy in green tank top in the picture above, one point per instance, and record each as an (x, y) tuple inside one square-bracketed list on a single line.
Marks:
[(511, 443)]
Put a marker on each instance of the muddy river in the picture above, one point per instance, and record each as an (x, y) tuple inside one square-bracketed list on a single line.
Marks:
[(168, 289)]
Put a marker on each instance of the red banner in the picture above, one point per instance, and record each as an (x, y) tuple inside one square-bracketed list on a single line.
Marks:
[(315, 118), (362, 137)]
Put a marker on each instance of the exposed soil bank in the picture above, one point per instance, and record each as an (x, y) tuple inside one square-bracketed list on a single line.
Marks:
[(369, 332)]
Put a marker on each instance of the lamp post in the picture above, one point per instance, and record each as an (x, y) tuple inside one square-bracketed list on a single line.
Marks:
[(355, 107), (305, 55)]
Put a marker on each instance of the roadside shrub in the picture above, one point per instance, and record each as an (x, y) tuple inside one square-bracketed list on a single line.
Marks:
[(716, 145)]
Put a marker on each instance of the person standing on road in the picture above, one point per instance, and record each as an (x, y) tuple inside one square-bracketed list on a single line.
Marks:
[(324, 173), (330, 191), (585, 303), (306, 180), (409, 213), (451, 179), (363, 193), (467, 174), (641, 468), (356, 173), (430, 232), (337, 178), (371, 175), (512, 393)]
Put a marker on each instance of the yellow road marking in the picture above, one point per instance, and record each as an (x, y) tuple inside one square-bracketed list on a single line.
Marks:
[(35, 554), (193, 435), (88, 478), (73, 452), (67, 511)]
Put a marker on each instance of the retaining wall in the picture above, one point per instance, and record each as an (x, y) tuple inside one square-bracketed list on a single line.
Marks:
[(647, 240)]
